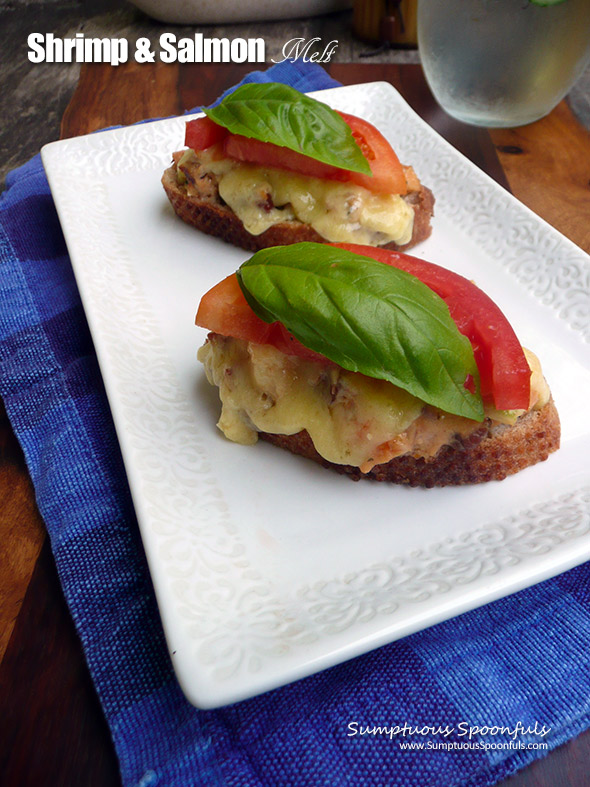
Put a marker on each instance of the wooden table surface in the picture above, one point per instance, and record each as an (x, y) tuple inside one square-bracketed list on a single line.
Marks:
[(53, 731)]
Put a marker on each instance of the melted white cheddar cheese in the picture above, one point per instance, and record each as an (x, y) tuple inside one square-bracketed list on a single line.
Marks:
[(339, 212), (352, 419)]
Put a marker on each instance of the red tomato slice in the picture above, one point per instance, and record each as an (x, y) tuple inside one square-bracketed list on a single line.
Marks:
[(225, 310), (201, 133), (503, 368), (388, 174), (504, 371), (264, 154)]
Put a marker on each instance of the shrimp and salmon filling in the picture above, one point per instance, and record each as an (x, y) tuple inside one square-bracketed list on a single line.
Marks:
[(352, 419)]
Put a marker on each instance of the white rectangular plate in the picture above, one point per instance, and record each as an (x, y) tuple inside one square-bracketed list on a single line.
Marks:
[(267, 567)]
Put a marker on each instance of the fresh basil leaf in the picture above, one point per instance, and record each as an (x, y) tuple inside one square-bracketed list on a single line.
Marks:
[(279, 114), (367, 317)]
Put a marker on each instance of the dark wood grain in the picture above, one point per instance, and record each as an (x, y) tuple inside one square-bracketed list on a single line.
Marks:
[(53, 729), (121, 96), (54, 732), (547, 165), (21, 530)]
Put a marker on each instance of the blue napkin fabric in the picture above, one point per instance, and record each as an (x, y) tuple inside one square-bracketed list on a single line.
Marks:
[(516, 663)]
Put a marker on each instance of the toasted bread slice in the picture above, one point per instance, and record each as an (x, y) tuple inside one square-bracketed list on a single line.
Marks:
[(491, 453), (208, 213)]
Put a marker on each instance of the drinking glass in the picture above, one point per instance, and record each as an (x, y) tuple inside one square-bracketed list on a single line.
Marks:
[(502, 62)]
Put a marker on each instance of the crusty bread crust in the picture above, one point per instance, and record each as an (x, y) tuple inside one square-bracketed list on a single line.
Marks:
[(215, 218), (489, 454)]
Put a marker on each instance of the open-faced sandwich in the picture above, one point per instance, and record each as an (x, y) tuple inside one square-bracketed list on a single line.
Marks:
[(376, 364), (270, 166)]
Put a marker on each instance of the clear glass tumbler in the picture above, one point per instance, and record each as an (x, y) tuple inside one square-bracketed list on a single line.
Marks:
[(502, 62)]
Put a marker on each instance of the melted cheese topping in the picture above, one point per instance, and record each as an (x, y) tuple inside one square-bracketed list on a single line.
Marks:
[(352, 419), (339, 212)]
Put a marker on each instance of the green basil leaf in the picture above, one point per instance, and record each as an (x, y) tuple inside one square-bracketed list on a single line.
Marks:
[(280, 114), (367, 317)]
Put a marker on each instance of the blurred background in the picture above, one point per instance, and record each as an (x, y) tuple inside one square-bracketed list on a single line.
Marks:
[(33, 97)]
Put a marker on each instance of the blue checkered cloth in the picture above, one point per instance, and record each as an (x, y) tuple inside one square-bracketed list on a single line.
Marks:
[(519, 662)]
